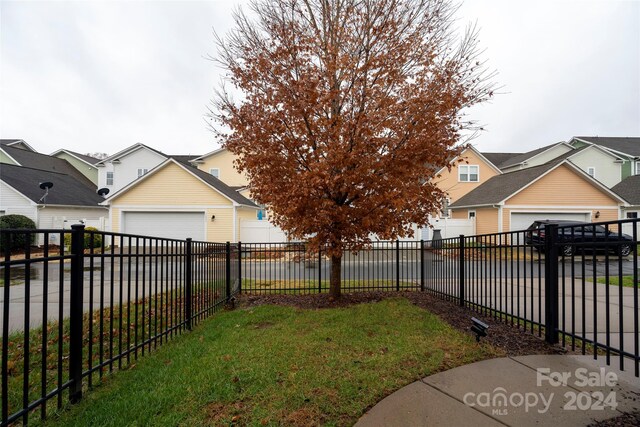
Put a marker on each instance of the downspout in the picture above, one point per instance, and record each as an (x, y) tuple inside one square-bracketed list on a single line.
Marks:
[(235, 223), (500, 224)]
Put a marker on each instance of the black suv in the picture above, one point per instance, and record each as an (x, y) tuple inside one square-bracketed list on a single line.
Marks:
[(580, 236)]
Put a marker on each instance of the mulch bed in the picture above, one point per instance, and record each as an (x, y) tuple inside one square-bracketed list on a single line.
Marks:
[(513, 341), (625, 420)]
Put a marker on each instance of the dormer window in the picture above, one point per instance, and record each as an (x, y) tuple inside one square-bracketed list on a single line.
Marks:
[(468, 173)]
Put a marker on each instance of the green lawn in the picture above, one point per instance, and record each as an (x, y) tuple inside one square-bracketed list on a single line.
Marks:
[(265, 286), (627, 281), (274, 365)]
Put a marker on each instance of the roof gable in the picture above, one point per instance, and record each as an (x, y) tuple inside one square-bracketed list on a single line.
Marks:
[(91, 161), (522, 158), (16, 143), (207, 155), (481, 156), (629, 146), (127, 151), (502, 187), (210, 181)]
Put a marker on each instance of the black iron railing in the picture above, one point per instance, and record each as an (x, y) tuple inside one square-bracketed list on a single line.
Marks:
[(71, 315)]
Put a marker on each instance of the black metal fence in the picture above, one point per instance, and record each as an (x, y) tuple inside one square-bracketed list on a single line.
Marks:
[(578, 285), (72, 315)]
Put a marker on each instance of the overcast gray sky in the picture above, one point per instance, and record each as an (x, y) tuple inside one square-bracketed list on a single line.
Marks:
[(102, 75)]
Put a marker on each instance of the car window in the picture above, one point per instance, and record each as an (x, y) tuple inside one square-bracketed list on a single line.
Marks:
[(600, 229)]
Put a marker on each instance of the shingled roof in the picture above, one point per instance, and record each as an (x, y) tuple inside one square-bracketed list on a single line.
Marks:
[(30, 159), (83, 157), (629, 189), (500, 187), (520, 158), (499, 158), (66, 190), (626, 145)]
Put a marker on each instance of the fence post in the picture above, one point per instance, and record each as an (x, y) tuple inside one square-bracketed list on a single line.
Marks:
[(228, 272), (551, 284), (461, 278), (75, 313), (239, 267), (319, 269), (188, 285), (397, 264), (422, 265)]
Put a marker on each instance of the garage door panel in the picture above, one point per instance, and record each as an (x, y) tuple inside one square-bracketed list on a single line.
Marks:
[(170, 225), (522, 220)]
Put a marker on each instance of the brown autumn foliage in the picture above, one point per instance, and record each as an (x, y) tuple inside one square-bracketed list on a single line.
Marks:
[(345, 109)]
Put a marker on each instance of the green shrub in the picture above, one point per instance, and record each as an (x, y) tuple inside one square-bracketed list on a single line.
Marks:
[(18, 240), (97, 238)]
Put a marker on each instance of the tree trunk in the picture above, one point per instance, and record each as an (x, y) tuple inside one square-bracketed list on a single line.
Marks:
[(334, 282)]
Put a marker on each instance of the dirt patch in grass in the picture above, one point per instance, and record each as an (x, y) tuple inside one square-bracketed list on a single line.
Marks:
[(513, 340)]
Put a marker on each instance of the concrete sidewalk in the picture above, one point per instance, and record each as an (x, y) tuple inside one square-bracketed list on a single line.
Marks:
[(514, 391)]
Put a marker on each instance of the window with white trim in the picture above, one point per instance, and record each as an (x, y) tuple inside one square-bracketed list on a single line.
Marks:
[(215, 172), (591, 171), (468, 173), (142, 171), (472, 214), (637, 168), (632, 215), (109, 178)]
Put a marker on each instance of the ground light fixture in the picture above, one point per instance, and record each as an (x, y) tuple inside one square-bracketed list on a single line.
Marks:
[(479, 328)]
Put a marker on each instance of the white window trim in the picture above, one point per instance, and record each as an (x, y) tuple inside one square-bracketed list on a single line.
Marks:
[(468, 168), (589, 169), (143, 170), (107, 178), (637, 168), (471, 211), (626, 216), (214, 169)]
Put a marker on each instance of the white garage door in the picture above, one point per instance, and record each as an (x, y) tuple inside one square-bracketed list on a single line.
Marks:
[(522, 220), (171, 225)]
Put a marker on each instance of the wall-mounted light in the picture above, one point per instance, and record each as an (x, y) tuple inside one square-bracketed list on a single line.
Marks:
[(213, 218), (597, 214)]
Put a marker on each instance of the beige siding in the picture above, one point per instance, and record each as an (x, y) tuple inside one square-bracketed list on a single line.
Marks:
[(486, 220), (171, 185), (223, 160), (448, 181), (221, 229), (562, 187)]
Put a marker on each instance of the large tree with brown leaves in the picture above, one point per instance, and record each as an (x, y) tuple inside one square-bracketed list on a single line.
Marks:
[(345, 110)]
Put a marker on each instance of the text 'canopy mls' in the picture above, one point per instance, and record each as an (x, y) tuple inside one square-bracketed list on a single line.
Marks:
[(347, 108)]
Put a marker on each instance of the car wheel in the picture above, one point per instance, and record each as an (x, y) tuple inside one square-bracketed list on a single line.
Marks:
[(624, 250), (567, 250)]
